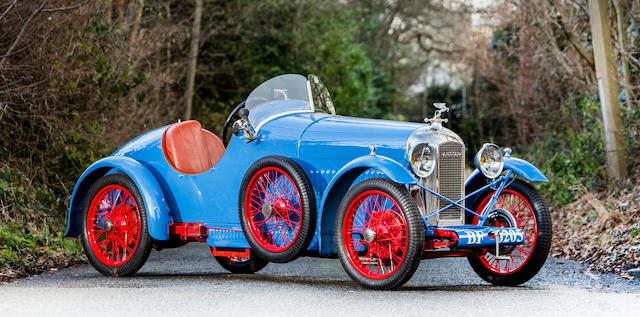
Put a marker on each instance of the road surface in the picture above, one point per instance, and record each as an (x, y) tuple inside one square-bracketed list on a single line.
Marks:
[(188, 282)]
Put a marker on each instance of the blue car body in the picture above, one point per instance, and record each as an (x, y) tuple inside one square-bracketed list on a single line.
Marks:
[(334, 152)]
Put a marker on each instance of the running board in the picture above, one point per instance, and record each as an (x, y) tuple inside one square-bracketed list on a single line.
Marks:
[(231, 252)]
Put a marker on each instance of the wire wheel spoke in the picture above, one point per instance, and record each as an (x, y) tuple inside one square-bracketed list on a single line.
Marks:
[(375, 234), (273, 209), (525, 219), (113, 225)]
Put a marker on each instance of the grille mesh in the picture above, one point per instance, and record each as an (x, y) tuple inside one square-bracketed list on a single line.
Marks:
[(451, 176)]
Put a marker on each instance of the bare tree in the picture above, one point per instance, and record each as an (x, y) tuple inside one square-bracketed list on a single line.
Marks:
[(193, 59), (608, 89), (626, 81), (107, 10), (122, 13), (135, 27)]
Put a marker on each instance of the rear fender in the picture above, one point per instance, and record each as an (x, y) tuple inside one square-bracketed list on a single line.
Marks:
[(157, 210), (340, 184)]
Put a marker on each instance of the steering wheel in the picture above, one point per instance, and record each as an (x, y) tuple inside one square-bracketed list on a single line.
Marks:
[(227, 123)]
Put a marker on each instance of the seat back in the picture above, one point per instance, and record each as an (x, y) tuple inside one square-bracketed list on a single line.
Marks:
[(189, 149)]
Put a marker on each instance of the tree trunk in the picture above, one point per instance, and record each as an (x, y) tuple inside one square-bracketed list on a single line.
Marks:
[(168, 44), (608, 89), (626, 81), (107, 11), (133, 36), (122, 17), (193, 59)]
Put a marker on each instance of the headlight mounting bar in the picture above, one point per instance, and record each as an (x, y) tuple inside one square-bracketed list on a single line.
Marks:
[(504, 181)]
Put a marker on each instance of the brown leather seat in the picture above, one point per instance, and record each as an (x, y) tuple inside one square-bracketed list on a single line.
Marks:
[(190, 149)]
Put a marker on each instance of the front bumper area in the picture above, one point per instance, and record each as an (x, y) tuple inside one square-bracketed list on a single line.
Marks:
[(471, 237)]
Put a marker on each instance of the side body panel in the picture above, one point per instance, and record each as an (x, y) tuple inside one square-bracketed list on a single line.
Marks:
[(333, 151)]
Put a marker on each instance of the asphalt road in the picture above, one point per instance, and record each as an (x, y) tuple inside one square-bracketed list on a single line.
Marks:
[(188, 282)]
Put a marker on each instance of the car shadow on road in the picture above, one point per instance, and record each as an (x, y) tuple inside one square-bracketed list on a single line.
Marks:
[(319, 281), (465, 288)]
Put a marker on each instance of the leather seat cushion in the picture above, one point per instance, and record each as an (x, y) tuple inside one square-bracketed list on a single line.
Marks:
[(189, 149)]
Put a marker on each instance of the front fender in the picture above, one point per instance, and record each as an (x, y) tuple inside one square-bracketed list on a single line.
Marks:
[(152, 195), (521, 167), (340, 184), (389, 167)]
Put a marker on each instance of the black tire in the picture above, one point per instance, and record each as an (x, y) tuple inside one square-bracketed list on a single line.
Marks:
[(145, 242), (250, 266), (542, 243), (307, 205), (413, 225)]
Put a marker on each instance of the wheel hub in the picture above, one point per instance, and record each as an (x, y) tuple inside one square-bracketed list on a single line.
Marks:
[(281, 207), (266, 210), (108, 225), (386, 229), (501, 218), (369, 235)]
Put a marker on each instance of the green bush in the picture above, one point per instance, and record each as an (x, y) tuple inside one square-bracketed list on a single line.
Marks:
[(572, 157), (31, 226)]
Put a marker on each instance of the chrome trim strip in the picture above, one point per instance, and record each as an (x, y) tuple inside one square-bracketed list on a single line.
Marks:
[(278, 115), (313, 106)]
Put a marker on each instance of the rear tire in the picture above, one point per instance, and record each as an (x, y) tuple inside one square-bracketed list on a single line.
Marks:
[(277, 209), (114, 226), (532, 216), (379, 234)]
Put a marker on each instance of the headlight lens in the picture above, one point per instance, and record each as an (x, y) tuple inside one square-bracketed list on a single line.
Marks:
[(490, 160), (423, 160)]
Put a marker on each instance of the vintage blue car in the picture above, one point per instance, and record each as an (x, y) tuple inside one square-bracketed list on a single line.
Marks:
[(295, 179)]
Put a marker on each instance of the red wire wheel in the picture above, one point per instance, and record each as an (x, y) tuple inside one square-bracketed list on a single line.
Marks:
[(277, 209), (273, 209), (532, 217), (113, 225), (522, 212), (380, 234), (115, 235), (375, 235)]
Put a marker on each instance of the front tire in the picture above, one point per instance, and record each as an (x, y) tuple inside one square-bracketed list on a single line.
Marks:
[(114, 226), (379, 234), (532, 216)]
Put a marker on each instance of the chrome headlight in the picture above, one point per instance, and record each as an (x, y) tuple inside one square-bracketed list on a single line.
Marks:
[(489, 160), (422, 159)]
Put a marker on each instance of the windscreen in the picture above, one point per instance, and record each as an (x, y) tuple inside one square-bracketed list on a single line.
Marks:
[(281, 94), (321, 97)]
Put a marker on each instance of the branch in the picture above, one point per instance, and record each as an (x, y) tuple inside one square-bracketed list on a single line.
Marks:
[(582, 52), (8, 8), (66, 8), (436, 49), (24, 27)]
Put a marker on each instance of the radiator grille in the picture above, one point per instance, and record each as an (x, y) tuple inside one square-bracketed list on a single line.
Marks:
[(451, 177)]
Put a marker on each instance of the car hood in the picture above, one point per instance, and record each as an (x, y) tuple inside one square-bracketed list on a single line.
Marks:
[(347, 137)]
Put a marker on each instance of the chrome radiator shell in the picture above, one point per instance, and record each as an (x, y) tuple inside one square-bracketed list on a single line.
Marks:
[(447, 179), (450, 182)]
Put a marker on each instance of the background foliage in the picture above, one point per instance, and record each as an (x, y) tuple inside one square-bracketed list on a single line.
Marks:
[(79, 78)]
